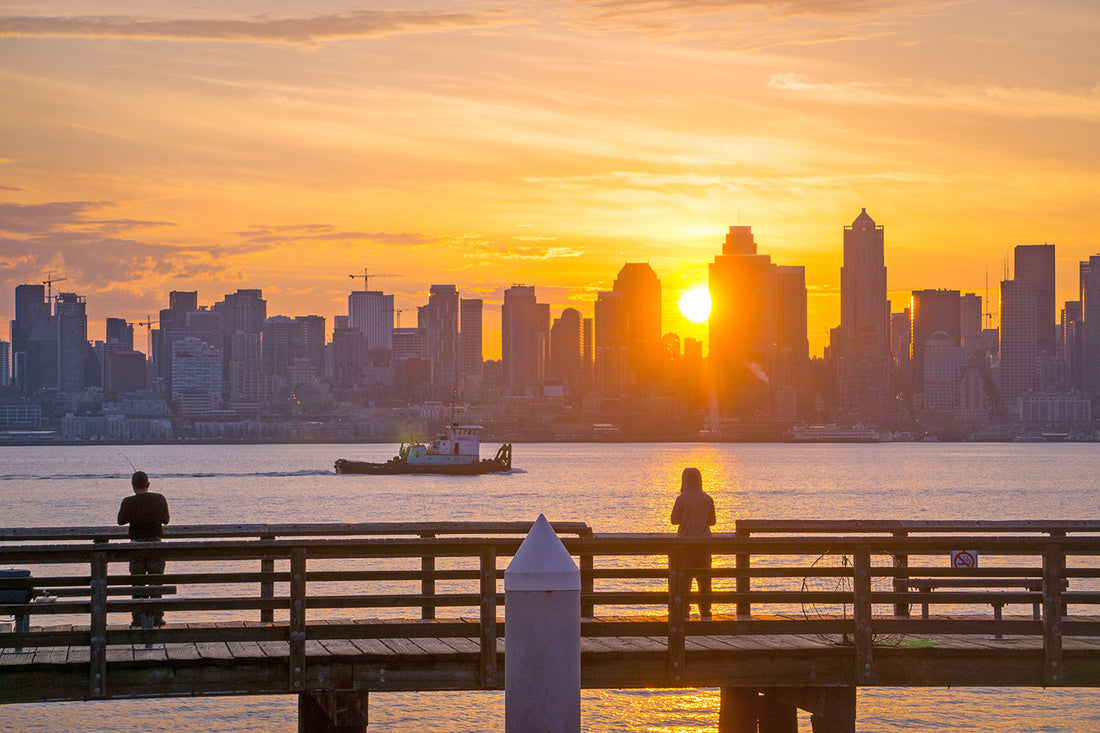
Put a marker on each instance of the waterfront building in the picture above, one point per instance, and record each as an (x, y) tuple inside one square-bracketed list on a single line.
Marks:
[(1019, 345), (1055, 411), (372, 313), (743, 323), (520, 345)]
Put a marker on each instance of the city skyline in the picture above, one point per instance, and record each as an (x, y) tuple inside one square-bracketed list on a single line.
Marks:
[(285, 147)]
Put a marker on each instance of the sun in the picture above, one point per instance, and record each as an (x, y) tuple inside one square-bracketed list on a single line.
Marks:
[(695, 304)]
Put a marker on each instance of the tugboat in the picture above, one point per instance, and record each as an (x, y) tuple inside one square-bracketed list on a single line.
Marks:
[(456, 451)]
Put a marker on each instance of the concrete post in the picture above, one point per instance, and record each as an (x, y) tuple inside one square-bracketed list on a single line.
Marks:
[(542, 636)]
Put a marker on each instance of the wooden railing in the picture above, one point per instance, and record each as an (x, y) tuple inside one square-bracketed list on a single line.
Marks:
[(772, 581)]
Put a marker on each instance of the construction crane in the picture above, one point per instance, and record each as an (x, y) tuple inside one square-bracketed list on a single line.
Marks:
[(397, 312), (148, 323), (368, 275), (48, 282)]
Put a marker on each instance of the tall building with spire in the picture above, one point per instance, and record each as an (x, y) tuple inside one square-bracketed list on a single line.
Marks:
[(861, 346)]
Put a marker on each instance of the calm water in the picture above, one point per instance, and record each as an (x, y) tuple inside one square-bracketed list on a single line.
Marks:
[(615, 488)]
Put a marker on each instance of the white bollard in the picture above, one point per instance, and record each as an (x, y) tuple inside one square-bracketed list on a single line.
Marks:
[(542, 637)]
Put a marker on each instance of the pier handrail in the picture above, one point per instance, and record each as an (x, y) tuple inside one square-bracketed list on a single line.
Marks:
[(635, 572)]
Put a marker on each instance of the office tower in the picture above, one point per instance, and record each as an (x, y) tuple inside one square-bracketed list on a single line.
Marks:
[(542, 319), (943, 360), (277, 345), (640, 289), (349, 347), (588, 345), (930, 311), (1034, 267), (125, 372), (970, 316), (565, 349), (743, 323), (311, 342), (121, 333), (5, 364), (196, 376), (860, 346), (243, 316), (371, 311), (1090, 317), (442, 328), (610, 356), (520, 354), (1071, 338), (899, 351), (791, 332), (72, 341), (33, 340), (470, 351), (1019, 345)]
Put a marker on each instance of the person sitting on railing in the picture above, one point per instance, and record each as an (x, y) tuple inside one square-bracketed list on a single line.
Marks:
[(694, 513), (146, 512)]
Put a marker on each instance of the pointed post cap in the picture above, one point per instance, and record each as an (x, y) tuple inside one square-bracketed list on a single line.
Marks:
[(542, 562)]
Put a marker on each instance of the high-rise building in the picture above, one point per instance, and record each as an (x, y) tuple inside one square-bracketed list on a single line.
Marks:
[(931, 311), (565, 349), (970, 316), (350, 354), (791, 330), (442, 328), (744, 323), (243, 316), (470, 351), (125, 372), (1019, 345), (542, 319), (588, 333), (277, 345), (196, 376), (1034, 267), (520, 354), (610, 354), (640, 289), (1090, 318), (120, 332), (1072, 341), (72, 341), (5, 364), (371, 311), (33, 340), (310, 337), (943, 361), (860, 347)]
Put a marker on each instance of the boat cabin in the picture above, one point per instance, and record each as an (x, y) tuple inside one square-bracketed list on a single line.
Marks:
[(457, 440)]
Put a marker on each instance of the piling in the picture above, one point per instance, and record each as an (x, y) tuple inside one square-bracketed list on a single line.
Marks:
[(542, 638)]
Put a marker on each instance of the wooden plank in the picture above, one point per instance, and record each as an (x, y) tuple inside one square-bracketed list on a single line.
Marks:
[(275, 648), (155, 653), (462, 646), (403, 647), (182, 652), (373, 647), (433, 646), (340, 648), (213, 650), (245, 650)]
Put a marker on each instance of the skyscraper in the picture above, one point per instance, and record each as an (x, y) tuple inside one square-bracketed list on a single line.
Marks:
[(861, 347), (442, 328), (930, 311), (610, 354), (72, 341), (1090, 318), (371, 311), (1019, 350), (640, 289), (33, 340), (470, 351), (520, 354), (1034, 267), (744, 323), (565, 348)]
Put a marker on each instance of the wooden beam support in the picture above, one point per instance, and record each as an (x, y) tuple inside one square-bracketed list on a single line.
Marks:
[(1053, 672), (738, 710), (267, 587), (332, 712), (677, 614), (744, 582), (776, 715), (487, 670), (97, 652), (297, 626), (861, 582), (427, 583)]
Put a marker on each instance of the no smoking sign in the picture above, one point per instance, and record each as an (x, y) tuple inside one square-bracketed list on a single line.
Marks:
[(964, 558)]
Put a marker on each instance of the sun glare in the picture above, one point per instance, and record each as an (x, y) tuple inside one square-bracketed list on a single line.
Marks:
[(695, 304)]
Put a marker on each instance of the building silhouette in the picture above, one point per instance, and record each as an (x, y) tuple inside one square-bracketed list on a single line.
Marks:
[(743, 324), (33, 340), (566, 350), (442, 330), (1034, 267), (371, 313), (640, 292), (521, 352), (610, 344), (1090, 317), (931, 311), (470, 334), (72, 341)]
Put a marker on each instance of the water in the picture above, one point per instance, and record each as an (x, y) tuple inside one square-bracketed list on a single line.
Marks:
[(614, 488)]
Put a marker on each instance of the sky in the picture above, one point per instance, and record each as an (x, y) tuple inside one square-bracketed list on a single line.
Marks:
[(284, 145)]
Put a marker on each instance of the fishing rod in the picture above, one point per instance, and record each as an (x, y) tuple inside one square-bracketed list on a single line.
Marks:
[(130, 462)]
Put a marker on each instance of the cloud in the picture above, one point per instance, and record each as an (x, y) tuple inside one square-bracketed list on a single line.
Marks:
[(292, 233), (38, 219), (309, 31)]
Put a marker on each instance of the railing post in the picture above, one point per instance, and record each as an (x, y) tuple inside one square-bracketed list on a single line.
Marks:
[(267, 587), (487, 672), (861, 612), (677, 613), (588, 582), (1053, 562), (98, 626), (297, 619), (744, 582), (901, 577), (427, 582)]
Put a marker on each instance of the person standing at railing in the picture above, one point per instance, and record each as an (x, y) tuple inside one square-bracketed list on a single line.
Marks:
[(693, 512), (146, 512)]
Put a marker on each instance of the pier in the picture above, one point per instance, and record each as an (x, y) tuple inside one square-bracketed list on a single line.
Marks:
[(806, 612)]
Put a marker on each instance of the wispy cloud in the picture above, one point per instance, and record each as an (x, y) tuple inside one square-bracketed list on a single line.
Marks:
[(288, 234), (39, 219), (312, 30)]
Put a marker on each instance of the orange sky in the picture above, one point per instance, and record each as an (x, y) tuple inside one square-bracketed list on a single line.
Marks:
[(285, 145)]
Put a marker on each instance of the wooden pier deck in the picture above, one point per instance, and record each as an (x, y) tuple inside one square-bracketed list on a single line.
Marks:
[(327, 617)]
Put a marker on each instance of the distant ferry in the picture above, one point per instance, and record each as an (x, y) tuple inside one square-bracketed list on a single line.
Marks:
[(832, 434), (455, 451)]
